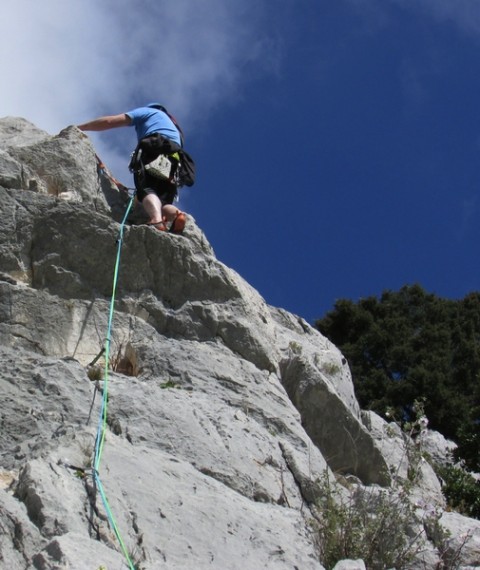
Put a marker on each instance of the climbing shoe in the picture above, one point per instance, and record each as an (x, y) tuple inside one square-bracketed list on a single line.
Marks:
[(160, 226), (178, 223)]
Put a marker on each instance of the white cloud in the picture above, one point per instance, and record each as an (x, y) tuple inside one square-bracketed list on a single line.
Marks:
[(66, 62), (418, 68), (464, 14)]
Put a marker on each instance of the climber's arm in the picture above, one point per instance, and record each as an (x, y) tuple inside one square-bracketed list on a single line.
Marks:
[(107, 122)]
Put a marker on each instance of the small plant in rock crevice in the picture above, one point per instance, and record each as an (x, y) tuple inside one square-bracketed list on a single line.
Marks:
[(295, 348), (413, 451), (371, 524), (86, 449), (95, 373), (122, 358), (330, 368), (168, 384), (383, 526)]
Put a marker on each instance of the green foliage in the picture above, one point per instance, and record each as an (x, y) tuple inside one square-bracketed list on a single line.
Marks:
[(461, 490), (368, 524), (411, 345), (469, 443), (168, 384), (330, 368), (95, 373), (382, 526)]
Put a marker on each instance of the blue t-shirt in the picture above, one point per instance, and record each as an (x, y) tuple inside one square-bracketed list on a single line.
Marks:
[(148, 121)]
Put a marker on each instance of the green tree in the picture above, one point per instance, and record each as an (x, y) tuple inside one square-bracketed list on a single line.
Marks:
[(412, 345)]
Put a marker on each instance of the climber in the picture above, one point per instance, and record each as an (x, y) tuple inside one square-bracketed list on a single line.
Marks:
[(156, 194)]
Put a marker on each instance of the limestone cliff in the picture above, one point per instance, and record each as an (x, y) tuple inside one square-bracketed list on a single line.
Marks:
[(224, 414)]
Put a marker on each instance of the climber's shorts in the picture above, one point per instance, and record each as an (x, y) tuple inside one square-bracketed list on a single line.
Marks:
[(165, 190)]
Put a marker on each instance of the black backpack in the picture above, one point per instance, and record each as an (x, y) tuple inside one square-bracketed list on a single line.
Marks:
[(186, 170)]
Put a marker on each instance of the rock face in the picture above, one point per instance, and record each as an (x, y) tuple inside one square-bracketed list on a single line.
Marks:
[(224, 414)]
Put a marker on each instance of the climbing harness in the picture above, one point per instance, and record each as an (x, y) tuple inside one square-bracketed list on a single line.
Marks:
[(182, 165), (102, 421)]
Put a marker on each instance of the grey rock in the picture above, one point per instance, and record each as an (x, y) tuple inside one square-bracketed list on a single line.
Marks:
[(350, 565), (391, 440), (438, 447), (462, 539), (17, 131), (20, 539), (348, 451), (224, 414), (200, 415), (68, 551), (210, 475), (405, 459)]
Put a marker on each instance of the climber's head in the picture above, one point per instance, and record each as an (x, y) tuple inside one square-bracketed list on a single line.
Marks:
[(156, 106)]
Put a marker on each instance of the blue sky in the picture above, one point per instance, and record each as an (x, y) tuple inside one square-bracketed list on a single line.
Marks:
[(337, 142)]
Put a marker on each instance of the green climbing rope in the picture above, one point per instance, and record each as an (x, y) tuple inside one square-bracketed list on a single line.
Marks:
[(102, 423)]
